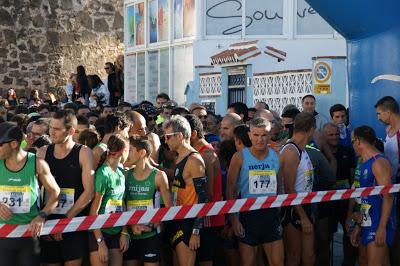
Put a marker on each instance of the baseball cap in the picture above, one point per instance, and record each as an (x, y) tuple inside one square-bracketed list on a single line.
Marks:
[(9, 132)]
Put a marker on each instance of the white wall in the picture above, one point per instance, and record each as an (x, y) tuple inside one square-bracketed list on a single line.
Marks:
[(299, 52)]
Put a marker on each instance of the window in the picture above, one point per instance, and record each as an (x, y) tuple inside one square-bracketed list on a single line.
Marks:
[(264, 17), (223, 17), (152, 82), (141, 77), (309, 22)]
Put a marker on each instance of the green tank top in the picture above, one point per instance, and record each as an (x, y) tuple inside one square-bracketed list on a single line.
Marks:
[(140, 196), (20, 190)]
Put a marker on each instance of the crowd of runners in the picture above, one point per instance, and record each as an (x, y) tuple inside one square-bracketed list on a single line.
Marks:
[(75, 160)]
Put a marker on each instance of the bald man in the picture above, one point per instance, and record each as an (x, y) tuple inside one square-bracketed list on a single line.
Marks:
[(138, 128), (228, 124), (263, 113)]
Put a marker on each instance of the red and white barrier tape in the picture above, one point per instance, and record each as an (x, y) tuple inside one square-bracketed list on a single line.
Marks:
[(191, 211)]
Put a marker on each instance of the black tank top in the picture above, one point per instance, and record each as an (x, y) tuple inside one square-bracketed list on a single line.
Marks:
[(67, 172), (178, 177)]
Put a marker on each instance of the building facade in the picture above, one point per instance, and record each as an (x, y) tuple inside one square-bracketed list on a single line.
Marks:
[(171, 44)]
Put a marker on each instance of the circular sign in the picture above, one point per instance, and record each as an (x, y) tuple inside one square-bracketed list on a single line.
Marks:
[(322, 72)]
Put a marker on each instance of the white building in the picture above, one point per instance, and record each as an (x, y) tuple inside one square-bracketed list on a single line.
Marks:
[(169, 43)]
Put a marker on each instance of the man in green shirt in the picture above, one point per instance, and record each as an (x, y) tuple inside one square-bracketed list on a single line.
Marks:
[(20, 175)]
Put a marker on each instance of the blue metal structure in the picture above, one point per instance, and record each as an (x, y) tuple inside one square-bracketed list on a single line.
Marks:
[(372, 31)]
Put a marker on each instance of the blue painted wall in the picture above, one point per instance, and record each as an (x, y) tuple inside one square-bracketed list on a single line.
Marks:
[(338, 86)]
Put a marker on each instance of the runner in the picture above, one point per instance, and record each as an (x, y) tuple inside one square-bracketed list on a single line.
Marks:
[(228, 124), (296, 171), (116, 123), (210, 234), (72, 167), (253, 173), (20, 175), (339, 117), (107, 245), (188, 188), (142, 183), (377, 228), (308, 103), (138, 128), (387, 109)]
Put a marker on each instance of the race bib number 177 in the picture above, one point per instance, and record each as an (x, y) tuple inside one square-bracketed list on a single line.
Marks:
[(262, 182)]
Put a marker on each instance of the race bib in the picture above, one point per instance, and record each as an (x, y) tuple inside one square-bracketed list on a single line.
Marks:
[(366, 218), (113, 206), (17, 198), (65, 201), (139, 204), (308, 175), (262, 182)]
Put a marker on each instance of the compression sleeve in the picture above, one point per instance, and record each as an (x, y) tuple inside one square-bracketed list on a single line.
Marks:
[(200, 188)]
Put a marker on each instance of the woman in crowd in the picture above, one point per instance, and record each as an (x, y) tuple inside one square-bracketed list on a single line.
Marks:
[(107, 245)]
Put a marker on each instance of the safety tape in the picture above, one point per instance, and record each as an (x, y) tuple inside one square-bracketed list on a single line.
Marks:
[(191, 211)]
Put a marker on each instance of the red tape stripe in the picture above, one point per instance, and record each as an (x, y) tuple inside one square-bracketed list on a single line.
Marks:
[(7, 229)]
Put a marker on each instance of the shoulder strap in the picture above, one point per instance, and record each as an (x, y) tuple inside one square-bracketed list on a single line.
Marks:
[(297, 148), (207, 146)]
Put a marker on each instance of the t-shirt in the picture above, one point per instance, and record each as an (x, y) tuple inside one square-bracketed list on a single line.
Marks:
[(345, 162), (111, 184)]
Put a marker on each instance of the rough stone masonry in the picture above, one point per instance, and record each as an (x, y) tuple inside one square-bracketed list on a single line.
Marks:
[(42, 41)]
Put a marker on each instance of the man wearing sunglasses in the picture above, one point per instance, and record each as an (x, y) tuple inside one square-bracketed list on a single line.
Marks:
[(20, 175), (188, 187)]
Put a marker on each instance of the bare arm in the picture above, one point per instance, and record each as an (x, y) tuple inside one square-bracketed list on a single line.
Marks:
[(155, 143), (161, 182), (49, 183), (382, 171), (86, 162), (233, 173), (210, 160), (94, 210), (97, 152)]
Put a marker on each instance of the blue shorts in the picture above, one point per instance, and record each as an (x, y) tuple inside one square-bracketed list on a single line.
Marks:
[(368, 235)]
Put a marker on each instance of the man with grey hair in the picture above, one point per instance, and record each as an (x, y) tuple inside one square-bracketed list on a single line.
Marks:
[(38, 128), (253, 172), (228, 124), (188, 187)]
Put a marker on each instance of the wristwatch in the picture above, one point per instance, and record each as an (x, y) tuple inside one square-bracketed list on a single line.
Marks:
[(99, 240), (196, 231), (43, 214)]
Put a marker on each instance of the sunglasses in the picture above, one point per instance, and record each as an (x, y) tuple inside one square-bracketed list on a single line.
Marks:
[(202, 116), (169, 135)]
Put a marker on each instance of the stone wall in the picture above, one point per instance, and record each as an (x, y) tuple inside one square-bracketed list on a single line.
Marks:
[(42, 41)]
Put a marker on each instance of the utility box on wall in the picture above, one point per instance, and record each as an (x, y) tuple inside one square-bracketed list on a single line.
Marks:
[(329, 82)]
